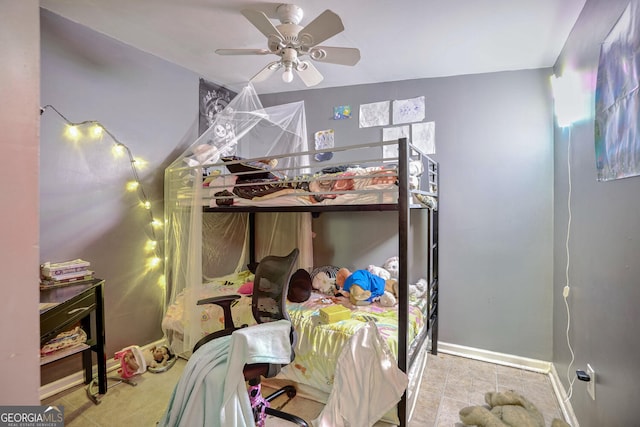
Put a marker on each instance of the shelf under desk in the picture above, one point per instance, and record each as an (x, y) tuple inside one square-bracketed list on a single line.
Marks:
[(62, 308)]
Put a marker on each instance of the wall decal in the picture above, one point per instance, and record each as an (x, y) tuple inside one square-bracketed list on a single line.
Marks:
[(617, 131), (408, 110), (423, 136), (391, 134), (374, 114), (342, 112), (213, 99), (324, 139)]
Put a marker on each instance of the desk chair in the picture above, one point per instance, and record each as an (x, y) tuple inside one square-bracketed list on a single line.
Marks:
[(268, 304)]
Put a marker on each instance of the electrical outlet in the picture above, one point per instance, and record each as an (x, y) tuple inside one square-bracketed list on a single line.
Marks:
[(591, 385)]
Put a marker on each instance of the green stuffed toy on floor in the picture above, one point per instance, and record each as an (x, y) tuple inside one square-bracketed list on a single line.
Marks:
[(506, 409)]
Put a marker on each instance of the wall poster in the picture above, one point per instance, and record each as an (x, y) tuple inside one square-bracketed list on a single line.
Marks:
[(213, 99), (617, 112)]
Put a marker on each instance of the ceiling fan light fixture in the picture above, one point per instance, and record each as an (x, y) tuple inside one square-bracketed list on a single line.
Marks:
[(291, 41), (287, 76)]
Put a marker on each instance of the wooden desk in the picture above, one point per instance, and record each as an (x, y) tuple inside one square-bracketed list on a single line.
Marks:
[(74, 304)]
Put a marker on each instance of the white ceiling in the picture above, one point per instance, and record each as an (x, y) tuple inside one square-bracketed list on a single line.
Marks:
[(398, 40)]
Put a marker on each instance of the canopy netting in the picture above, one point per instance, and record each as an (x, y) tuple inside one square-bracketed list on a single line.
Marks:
[(200, 246)]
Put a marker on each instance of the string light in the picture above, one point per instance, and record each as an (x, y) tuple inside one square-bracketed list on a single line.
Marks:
[(97, 130), (119, 150), (73, 132), (162, 282), (150, 245), (132, 185), (153, 263)]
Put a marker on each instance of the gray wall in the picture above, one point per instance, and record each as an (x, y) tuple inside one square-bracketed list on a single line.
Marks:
[(494, 145), (85, 212), (19, 117), (604, 252)]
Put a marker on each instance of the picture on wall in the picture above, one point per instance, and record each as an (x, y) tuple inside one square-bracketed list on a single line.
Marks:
[(213, 99), (617, 105)]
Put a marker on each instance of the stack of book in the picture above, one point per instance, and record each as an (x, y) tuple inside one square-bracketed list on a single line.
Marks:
[(53, 275)]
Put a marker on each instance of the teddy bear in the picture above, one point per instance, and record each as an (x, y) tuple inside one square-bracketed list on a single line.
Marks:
[(323, 283), (416, 168), (379, 271), (391, 270), (419, 289), (506, 409), (362, 287), (392, 265)]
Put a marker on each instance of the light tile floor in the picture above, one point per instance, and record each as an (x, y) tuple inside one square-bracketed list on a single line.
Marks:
[(449, 384)]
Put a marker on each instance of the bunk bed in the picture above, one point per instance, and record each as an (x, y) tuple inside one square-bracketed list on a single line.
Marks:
[(245, 188)]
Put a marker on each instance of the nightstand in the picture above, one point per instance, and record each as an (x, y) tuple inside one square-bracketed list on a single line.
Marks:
[(61, 309)]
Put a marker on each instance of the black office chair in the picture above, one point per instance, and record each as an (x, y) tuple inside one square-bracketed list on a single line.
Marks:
[(269, 299)]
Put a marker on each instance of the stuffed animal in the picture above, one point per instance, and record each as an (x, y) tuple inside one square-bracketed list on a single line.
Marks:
[(420, 289), (323, 283), (416, 168), (392, 265), (361, 286), (379, 271), (507, 409), (387, 299)]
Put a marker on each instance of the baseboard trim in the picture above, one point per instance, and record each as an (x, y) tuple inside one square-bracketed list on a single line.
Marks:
[(494, 357), (535, 365), (77, 378), (561, 395)]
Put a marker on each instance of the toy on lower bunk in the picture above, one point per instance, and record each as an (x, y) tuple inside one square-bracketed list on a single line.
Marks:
[(363, 287), (323, 279), (390, 270)]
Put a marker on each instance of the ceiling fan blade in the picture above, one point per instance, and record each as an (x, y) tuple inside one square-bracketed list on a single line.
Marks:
[(243, 51), (262, 23), (266, 72), (335, 55), (326, 25), (309, 74)]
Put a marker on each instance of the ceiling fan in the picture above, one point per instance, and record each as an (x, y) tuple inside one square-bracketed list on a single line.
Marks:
[(293, 42)]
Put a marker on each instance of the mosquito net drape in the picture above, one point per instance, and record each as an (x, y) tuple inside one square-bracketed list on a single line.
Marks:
[(199, 246)]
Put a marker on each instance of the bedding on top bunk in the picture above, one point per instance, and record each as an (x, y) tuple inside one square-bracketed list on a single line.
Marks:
[(255, 183)]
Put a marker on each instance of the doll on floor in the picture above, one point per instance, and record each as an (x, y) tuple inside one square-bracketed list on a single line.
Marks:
[(158, 356), (131, 361), (159, 359)]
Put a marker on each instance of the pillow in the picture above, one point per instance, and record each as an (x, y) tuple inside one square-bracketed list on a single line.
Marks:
[(299, 286), (257, 169), (246, 289)]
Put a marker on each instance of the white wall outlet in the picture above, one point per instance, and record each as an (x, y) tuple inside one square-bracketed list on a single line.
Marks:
[(591, 385)]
